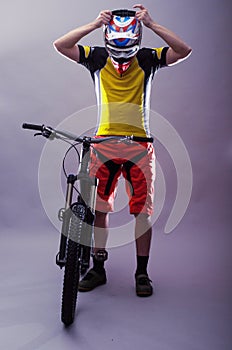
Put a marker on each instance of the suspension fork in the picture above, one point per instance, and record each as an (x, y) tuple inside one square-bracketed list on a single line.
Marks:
[(88, 187), (88, 184), (88, 191), (64, 216)]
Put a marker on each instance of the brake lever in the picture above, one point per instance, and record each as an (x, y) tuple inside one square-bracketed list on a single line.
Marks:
[(47, 132)]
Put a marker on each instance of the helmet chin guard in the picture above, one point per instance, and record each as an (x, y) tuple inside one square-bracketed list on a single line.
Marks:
[(123, 34)]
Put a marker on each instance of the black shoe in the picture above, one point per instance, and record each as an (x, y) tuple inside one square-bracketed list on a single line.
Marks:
[(143, 286), (92, 280)]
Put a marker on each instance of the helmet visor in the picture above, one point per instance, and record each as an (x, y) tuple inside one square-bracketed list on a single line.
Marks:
[(118, 52)]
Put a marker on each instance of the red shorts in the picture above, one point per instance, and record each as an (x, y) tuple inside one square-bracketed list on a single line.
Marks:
[(136, 162)]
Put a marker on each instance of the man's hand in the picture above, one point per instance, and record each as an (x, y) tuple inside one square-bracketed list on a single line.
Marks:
[(103, 18), (143, 15)]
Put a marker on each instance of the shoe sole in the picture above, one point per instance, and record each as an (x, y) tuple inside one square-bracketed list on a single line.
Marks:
[(85, 289), (144, 294)]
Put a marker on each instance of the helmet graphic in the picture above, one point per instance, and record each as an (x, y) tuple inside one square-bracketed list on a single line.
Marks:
[(123, 34)]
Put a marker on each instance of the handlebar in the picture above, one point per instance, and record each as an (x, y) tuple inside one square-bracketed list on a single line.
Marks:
[(51, 133), (33, 127)]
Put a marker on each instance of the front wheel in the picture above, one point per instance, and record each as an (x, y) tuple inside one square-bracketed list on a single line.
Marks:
[(70, 284), (72, 265)]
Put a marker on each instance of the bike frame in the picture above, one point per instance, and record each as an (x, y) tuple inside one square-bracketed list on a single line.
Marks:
[(76, 239), (87, 194)]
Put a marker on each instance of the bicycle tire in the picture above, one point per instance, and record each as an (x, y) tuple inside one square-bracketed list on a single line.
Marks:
[(72, 265)]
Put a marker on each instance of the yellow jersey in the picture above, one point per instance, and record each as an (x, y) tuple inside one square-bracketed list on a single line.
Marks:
[(123, 99)]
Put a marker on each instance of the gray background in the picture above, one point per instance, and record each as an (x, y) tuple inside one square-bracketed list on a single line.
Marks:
[(191, 267)]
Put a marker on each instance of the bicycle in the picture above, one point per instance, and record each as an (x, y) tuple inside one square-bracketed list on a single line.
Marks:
[(76, 238)]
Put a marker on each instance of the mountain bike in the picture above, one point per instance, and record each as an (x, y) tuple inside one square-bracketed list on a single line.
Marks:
[(77, 217)]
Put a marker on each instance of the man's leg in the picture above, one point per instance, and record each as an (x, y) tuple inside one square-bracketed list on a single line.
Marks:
[(143, 233), (100, 238), (101, 225)]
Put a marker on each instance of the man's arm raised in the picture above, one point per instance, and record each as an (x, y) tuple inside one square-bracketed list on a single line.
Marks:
[(67, 44), (178, 49)]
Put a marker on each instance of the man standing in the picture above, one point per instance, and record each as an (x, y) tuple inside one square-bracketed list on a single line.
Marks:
[(122, 73)]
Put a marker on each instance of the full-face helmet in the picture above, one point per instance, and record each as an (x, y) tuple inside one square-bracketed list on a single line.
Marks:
[(123, 34)]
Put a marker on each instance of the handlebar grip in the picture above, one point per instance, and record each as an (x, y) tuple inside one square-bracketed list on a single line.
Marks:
[(33, 126)]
